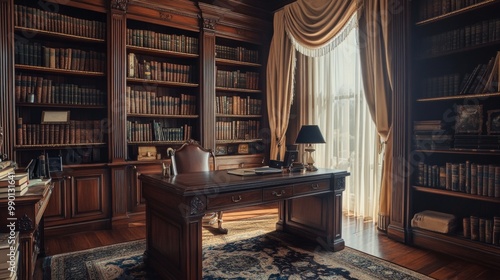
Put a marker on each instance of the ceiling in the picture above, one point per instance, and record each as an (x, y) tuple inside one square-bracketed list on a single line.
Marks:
[(256, 8)]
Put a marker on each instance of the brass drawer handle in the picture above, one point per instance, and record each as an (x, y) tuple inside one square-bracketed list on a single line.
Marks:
[(278, 194), (236, 199), (314, 186)]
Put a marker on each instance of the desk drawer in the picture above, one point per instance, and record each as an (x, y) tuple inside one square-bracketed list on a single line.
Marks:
[(232, 199), (311, 187), (277, 193)]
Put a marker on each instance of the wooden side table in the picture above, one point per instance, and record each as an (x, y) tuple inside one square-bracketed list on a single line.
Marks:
[(28, 218)]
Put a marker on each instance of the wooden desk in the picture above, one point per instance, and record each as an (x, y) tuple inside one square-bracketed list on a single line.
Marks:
[(310, 206), (29, 209)]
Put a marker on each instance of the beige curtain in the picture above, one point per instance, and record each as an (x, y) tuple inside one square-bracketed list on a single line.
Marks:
[(312, 26), (376, 59)]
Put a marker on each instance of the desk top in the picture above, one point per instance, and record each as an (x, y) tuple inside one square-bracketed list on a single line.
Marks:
[(220, 181)]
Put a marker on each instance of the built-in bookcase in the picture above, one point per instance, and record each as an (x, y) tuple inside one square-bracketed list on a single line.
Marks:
[(60, 83), (454, 157), (162, 93), (239, 106)]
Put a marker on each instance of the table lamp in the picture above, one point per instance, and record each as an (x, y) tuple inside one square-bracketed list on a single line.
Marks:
[(310, 134)]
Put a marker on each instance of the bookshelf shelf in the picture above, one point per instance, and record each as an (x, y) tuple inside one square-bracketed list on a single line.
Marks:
[(464, 10), (153, 51), (241, 90), (48, 70), (163, 116), (238, 141), (461, 151), (160, 83), (453, 244), (139, 143), (238, 116), (459, 97), (58, 146), (230, 62), (456, 194), (56, 35), (52, 105)]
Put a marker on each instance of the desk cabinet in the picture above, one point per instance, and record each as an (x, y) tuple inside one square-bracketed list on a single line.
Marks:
[(29, 221), (80, 201)]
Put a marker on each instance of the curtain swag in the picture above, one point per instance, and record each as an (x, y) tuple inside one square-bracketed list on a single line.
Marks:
[(328, 46)]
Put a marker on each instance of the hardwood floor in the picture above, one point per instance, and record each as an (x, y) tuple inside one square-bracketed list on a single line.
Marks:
[(357, 234)]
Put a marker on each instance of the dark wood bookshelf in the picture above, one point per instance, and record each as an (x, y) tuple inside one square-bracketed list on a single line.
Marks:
[(445, 57)]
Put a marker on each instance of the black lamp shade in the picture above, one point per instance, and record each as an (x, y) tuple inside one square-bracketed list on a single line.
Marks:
[(309, 134)]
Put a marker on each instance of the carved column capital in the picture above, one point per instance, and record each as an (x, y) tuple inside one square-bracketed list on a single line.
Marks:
[(119, 4), (210, 23), (26, 224)]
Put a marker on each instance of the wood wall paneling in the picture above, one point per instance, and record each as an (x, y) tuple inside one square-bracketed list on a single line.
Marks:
[(7, 115)]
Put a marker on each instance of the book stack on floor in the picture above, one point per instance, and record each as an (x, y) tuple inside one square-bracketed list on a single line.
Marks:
[(9, 255)]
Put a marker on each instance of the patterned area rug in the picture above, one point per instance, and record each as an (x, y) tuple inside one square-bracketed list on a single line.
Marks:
[(255, 254)]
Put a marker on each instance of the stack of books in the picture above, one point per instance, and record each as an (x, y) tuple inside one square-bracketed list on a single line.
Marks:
[(9, 255), (6, 169), (430, 135), (17, 181)]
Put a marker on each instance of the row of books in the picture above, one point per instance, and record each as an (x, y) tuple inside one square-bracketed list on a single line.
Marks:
[(481, 229), (237, 130), (238, 105), (161, 41), (237, 79), (76, 132), (484, 77), (466, 177), (156, 131), (433, 8), (147, 102), (470, 35), (237, 53), (159, 71), (47, 91), (34, 54), (56, 22)]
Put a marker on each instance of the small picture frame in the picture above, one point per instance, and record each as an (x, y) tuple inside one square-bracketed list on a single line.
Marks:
[(55, 163), (493, 123), (55, 117), (469, 119), (290, 157), (220, 150), (243, 149)]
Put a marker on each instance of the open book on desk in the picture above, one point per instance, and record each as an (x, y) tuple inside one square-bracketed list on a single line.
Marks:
[(254, 171)]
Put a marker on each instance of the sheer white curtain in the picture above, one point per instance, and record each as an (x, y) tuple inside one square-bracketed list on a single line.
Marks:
[(338, 106)]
